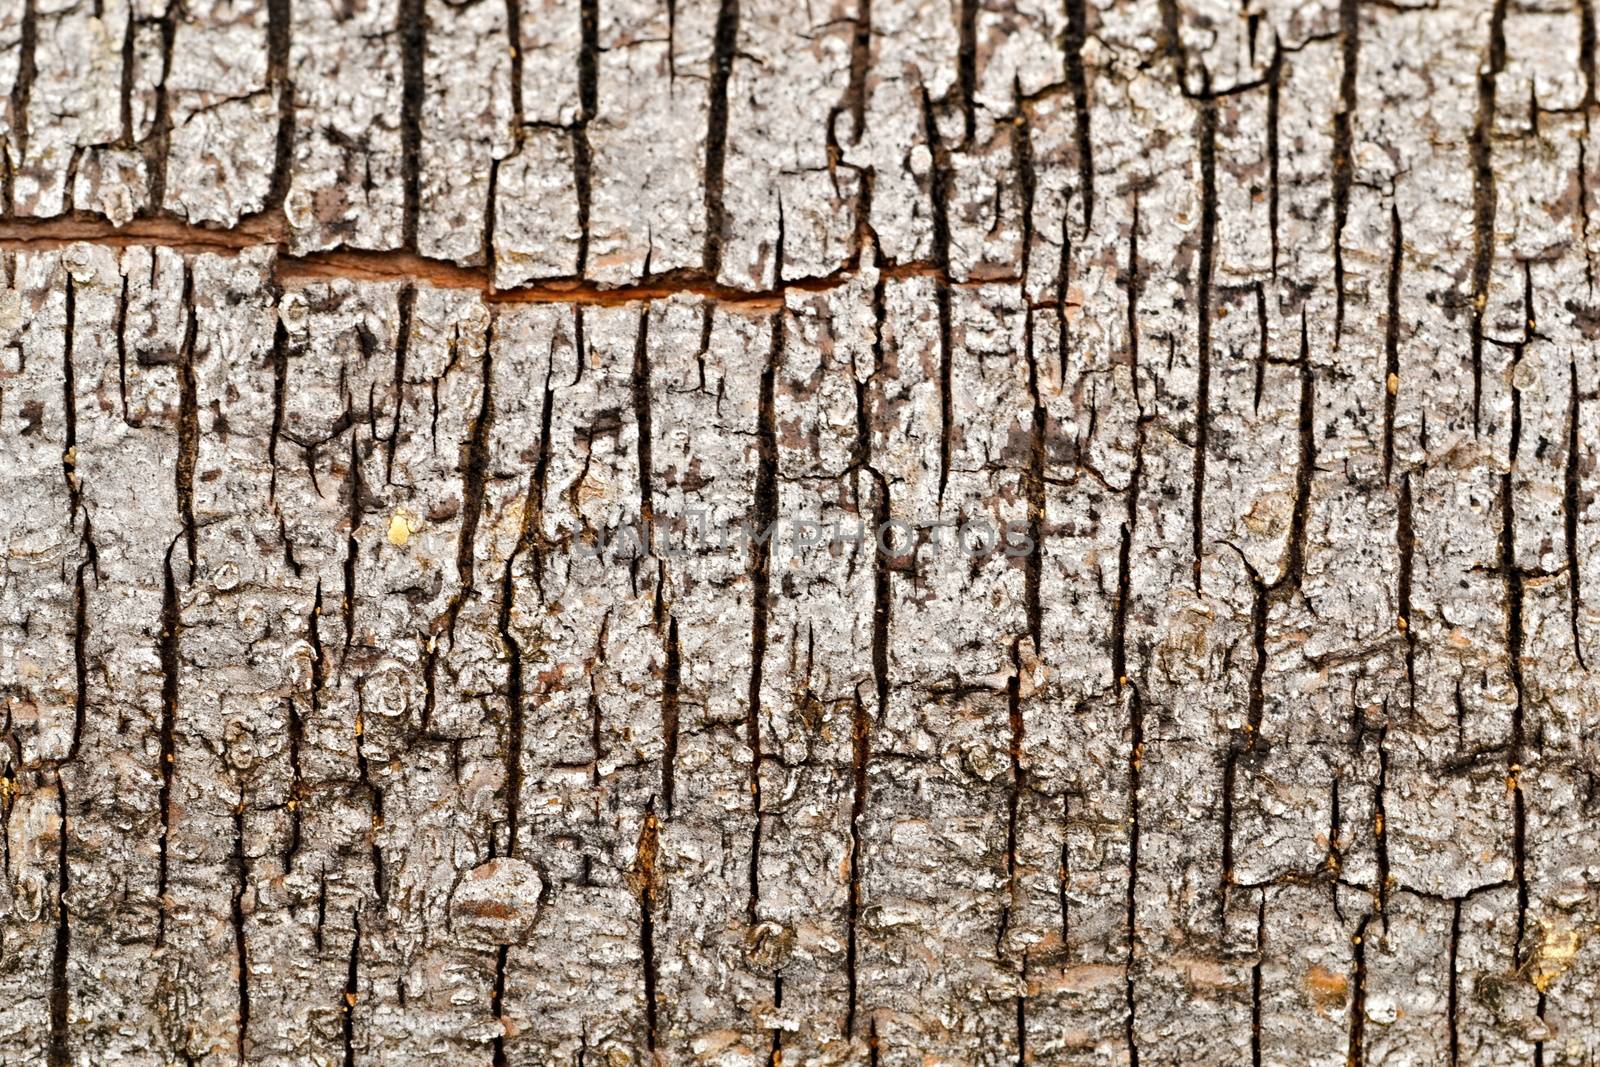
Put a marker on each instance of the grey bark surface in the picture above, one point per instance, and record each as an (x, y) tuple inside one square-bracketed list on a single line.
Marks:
[(334, 332)]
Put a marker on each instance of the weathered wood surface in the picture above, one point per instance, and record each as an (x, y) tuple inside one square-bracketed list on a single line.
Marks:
[(333, 332)]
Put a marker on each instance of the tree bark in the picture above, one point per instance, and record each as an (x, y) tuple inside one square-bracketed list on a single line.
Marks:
[(767, 533)]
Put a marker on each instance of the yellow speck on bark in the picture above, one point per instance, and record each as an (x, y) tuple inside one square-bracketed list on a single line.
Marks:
[(400, 529)]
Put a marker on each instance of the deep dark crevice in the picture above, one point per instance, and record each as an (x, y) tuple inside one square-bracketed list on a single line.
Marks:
[(188, 421), (352, 992), (60, 1027), (122, 348), (1406, 545), (588, 106), (1572, 508), (69, 407), (939, 204), (533, 521), (80, 655), (1022, 1013), (514, 41), (1357, 1056), (640, 388), (474, 479), (514, 668), (1255, 980), (967, 67), (1262, 356), (1027, 179), (1063, 292), (1034, 483), (764, 510), (647, 883), (860, 64), (669, 714), (412, 26), (1480, 151), (126, 82), (1343, 168), (1249, 743), (280, 28), (353, 492), (775, 1053), (724, 47), (375, 802), (280, 395), (1453, 988), (1064, 879), (241, 946), (1208, 237), (1077, 79), (497, 1000), (862, 718), (158, 141), (1017, 787), (1133, 280), (1512, 576), (402, 347), (27, 71), (1391, 340), (1135, 767), (171, 668), (1380, 824), (1274, 82), (489, 210), (297, 727)]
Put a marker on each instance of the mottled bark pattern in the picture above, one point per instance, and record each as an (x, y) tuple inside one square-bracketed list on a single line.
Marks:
[(332, 332)]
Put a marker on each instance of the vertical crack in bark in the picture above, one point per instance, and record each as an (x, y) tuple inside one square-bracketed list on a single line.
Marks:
[(60, 1027), (1391, 340), (374, 800), (938, 198), (188, 420), (514, 41), (352, 550), (1406, 543), (1034, 484), (122, 349), (640, 388), (1343, 168), (280, 29), (725, 45), (22, 87), (352, 992), (860, 63), (1208, 237), (669, 714), (1120, 682), (402, 347), (1014, 794), (497, 999), (474, 479), (1078, 81), (1483, 195), (241, 948), (531, 513), (1380, 822), (1274, 81), (646, 879), (171, 666), (1571, 509), (1512, 577), (1255, 980), (412, 27), (1063, 292), (882, 607), (280, 385), (1027, 180), (588, 106), (297, 729), (1248, 743), (765, 508), (1356, 1056), (1453, 991), (967, 67), (158, 142), (1260, 291)]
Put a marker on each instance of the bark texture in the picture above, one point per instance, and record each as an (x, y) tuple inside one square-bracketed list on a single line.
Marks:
[(333, 333)]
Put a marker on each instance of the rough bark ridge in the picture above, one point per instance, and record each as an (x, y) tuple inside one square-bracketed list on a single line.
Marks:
[(334, 335)]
